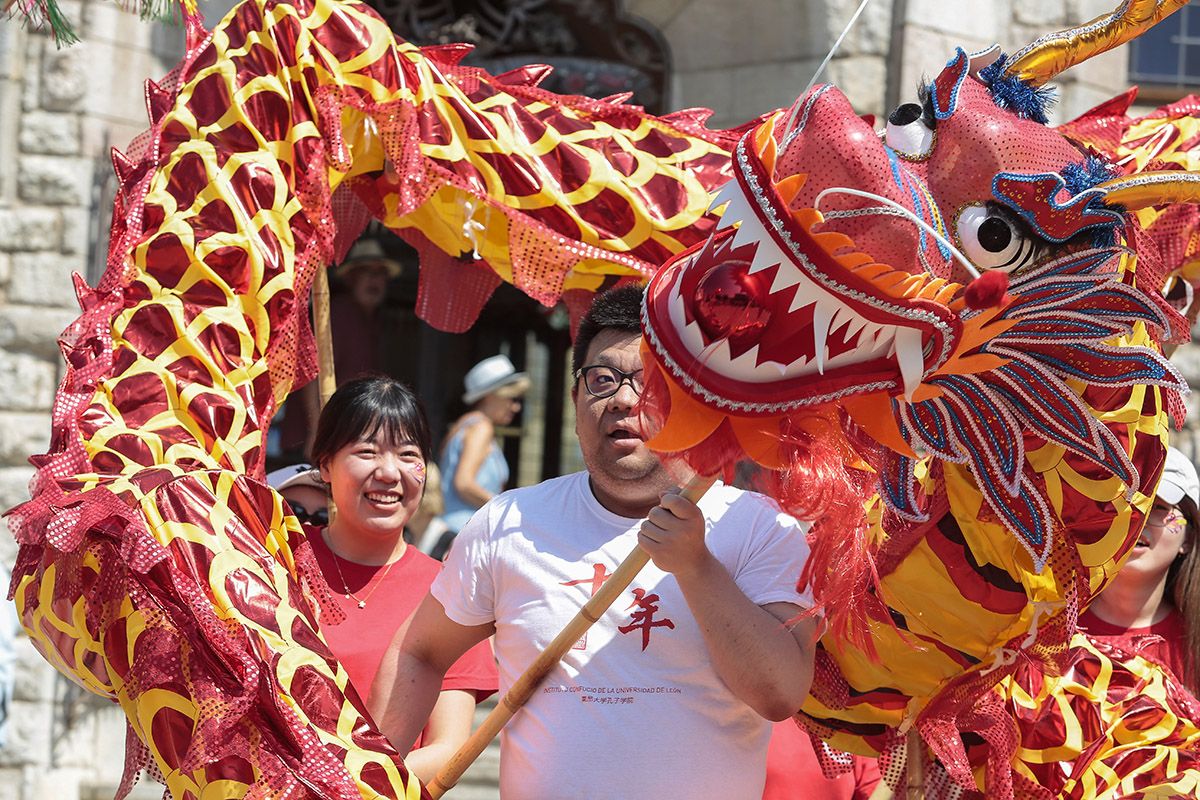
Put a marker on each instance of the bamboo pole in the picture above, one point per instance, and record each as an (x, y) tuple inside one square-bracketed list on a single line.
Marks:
[(524, 686), (914, 767), (326, 377)]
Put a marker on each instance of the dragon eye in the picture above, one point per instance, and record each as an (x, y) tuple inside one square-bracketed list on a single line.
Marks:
[(1179, 293), (994, 239), (908, 132)]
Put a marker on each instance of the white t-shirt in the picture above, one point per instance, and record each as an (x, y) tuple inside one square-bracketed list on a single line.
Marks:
[(635, 709)]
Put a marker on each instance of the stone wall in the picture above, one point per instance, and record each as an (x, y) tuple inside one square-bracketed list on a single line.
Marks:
[(60, 111), (742, 59)]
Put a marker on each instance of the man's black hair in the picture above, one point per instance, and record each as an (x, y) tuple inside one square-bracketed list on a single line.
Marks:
[(365, 407), (617, 309)]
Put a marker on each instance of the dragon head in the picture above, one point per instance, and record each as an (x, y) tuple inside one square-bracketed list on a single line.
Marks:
[(941, 340), (835, 277), (938, 284)]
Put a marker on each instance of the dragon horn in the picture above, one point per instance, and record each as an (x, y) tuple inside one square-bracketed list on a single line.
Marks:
[(1056, 52), (1152, 189)]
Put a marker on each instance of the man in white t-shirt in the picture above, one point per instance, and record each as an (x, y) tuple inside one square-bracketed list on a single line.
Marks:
[(670, 693)]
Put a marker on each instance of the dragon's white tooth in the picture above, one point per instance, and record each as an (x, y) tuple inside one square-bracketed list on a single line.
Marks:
[(744, 366), (805, 296), (882, 338), (745, 234), (693, 338), (787, 275), (722, 247), (781, 368), (738, 210), (842, 315), (870, 332), (728, 200), (910, 358), (797, 367), (822, 315), (765, 256), (716, 353), (723, 196), (675, 306), (856, 325)]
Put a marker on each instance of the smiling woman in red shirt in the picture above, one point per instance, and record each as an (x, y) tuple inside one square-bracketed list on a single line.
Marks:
[(1152, 606), (371, 449)]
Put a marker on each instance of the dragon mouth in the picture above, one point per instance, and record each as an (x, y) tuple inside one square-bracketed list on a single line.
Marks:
[(773, 315), (786, 325)]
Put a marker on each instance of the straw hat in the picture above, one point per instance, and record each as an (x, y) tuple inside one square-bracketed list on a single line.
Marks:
[(295, 475), (365, 253), (1179, 479), (494, 374)]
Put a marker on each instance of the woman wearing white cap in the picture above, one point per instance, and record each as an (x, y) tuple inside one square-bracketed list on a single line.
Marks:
[(473, 466), (1152, 606)]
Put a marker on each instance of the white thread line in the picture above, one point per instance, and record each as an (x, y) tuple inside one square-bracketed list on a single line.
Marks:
[(967, 265), (828, 57)]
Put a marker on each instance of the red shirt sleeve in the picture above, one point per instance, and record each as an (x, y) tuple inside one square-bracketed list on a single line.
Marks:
[(866, 777), (474, 672)]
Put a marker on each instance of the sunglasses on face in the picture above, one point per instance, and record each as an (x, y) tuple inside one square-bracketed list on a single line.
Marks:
[(319, 517), (1162, 517)]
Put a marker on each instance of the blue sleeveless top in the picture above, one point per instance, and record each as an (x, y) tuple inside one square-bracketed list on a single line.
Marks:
[(492, 475)]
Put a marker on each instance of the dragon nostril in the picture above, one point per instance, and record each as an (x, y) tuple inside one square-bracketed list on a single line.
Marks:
[(905, 114)]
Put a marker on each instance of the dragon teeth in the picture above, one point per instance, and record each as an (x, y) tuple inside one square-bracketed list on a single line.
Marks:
[(910, 358)]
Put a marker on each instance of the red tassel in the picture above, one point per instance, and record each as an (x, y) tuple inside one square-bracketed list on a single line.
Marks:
[(987, 291)]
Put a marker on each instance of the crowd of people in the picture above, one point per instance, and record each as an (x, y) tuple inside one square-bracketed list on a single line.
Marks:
[(703, 661)]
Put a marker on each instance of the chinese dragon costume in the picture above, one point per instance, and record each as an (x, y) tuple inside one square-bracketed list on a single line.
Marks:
[(960, 320)]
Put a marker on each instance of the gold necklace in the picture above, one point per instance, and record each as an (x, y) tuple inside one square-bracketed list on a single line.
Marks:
[(362, 602)]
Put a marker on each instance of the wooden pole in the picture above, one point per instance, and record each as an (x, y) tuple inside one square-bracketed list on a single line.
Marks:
[(914, 767), (524, 686), (326, 377)]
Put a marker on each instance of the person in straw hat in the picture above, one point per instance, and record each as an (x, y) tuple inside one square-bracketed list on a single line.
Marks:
[(472, 462), (359, 335)]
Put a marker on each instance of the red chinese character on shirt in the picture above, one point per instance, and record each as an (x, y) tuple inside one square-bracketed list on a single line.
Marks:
[(643, 618), (600, 574)]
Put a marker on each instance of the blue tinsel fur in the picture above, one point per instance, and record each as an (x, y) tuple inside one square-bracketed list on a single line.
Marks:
[(1014, 94), (1081, 177)]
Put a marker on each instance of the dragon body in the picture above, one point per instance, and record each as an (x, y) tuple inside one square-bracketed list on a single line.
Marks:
[(958, 320)]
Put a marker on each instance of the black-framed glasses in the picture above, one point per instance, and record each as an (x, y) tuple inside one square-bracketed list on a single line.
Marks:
[(320, 517), (603, 381)]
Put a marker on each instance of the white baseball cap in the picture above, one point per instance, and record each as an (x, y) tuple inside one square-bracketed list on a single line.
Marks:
[(295, 475), (491, 375), (1179, 479)]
